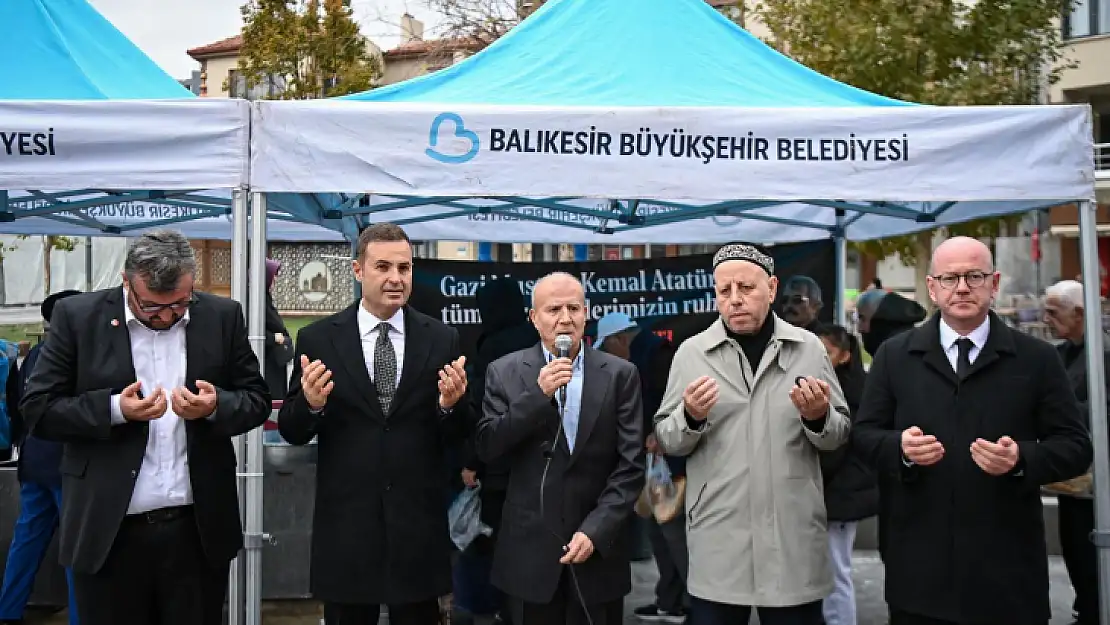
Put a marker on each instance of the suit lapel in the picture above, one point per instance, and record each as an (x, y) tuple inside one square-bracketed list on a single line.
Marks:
[(119, 338), (196, 347), (999, 341), (417, 349), (926, 341), (595, 386), (348, 345)]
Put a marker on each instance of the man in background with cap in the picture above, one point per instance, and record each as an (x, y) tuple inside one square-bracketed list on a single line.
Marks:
[(620, 335), (40, 503), (750, 402)]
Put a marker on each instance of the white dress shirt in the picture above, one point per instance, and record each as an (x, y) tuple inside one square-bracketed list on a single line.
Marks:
[(368, 333), (978, 336), (159, 358)]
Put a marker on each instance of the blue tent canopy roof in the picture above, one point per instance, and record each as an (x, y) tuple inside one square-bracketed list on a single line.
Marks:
[(66, 50), (628, 53)]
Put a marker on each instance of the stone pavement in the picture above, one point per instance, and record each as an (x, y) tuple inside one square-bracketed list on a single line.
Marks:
[(867, 569)]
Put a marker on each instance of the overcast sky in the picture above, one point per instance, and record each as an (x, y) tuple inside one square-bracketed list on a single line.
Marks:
[(165, 33)]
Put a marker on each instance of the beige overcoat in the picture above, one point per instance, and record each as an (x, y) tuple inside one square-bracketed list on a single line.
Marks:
[(755, 510)]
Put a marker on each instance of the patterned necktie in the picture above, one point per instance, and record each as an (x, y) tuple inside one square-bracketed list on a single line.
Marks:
[(963, 361), (385, 366)]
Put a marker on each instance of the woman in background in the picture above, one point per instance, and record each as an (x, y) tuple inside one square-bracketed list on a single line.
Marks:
[(279, 345), (851, 489)]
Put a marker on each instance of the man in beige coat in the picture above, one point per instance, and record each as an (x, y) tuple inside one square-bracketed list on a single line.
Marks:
[(751, 401)]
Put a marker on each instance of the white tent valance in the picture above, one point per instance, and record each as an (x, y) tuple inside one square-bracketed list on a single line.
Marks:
[(865, 154), (162, 145)]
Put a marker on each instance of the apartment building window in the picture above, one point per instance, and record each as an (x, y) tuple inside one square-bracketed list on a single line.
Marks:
[(1087, 18)]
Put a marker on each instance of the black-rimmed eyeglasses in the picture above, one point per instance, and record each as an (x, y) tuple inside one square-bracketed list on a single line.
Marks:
[(973, 279)]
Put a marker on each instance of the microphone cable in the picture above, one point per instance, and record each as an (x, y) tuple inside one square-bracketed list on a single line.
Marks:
[(548, 455)]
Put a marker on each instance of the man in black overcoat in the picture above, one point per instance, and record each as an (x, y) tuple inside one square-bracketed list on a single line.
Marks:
[(965, 419)]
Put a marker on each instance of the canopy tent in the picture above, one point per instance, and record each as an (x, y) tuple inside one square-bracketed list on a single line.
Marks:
[(59, 130), (666, 102), (678, 105), (62, 63), (82, 108)]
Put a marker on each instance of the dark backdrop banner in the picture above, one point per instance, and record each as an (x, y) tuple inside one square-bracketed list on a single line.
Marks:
[(672, 296)]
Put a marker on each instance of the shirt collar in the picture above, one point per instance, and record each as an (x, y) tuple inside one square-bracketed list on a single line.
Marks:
[(978, 336), (129, 318), (368, 321), (576, 365)]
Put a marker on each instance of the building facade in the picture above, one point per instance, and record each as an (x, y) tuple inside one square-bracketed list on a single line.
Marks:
[(1086, 29)]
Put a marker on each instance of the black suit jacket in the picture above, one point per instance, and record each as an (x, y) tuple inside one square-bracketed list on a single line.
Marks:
[(961, 545), (379, 532), (85, 359), (592, 490)]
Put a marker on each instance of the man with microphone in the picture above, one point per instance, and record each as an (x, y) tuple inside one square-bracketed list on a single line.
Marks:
[(567, 421)]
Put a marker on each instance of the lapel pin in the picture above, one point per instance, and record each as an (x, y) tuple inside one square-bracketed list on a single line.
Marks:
[(115, 322)]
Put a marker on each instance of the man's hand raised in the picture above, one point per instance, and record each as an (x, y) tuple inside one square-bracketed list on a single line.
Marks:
[(921, 448), (452, 383), (135, 407), (555, 375), (700, 396), (316, 383), (199, 405)]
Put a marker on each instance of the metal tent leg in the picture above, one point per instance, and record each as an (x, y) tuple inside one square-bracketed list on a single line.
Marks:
[(840, 314), (239, 245), (253, 536), (1096, 393)]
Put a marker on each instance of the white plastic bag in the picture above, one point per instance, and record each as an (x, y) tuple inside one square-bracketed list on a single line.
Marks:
[(464, 518), (664, 495)]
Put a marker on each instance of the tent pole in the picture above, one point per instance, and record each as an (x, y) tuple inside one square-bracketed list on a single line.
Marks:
[(238, 293), (840, 312), (254, 538), (88, 264), (1096, 394)]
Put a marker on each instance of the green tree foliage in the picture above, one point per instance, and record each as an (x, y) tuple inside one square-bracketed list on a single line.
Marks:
[(305, 49), (943, 52)]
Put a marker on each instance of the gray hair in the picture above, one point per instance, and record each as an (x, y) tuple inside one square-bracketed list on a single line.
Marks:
[(554, 274), (161, 258), (1068, 292)]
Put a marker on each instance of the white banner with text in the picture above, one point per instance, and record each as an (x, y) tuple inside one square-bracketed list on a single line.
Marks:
[(791, 154), (123, 144)]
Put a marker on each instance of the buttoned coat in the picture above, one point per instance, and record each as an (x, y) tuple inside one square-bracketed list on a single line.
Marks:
[(755, 509), (379, 528), (961, 545)]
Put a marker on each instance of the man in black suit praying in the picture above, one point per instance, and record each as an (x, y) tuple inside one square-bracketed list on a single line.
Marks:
[(146, 384), (380, 384)]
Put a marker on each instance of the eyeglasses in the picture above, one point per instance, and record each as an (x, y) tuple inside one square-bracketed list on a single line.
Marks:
[(973, 279), (796, 300), (153, 309)]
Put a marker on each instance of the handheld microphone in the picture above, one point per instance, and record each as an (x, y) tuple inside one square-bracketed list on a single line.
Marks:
[(563, 343)]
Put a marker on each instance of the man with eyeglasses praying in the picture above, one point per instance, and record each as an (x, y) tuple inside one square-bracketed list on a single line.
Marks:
[(146, 384), (965, 419)]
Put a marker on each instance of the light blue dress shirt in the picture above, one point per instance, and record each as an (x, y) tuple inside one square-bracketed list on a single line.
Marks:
[(574, 397)]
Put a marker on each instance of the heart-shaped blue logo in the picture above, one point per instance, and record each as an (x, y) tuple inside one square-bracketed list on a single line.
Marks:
[(460, 132)]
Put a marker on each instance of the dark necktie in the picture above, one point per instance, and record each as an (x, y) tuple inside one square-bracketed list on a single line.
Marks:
[(963, 361), (385, 367)]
